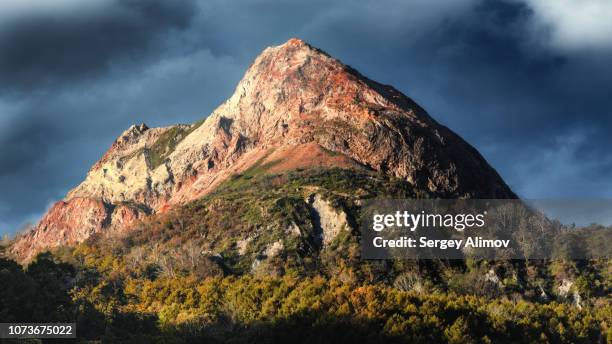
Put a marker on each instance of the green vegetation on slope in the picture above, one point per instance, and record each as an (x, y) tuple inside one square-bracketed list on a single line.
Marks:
[(167, 142), (200, 273)]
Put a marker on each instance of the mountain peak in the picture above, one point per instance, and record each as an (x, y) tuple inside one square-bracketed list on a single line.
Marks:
[(310, 78), (296, 46), (295, 42), (289, 57), (293, 45), (295, 108)]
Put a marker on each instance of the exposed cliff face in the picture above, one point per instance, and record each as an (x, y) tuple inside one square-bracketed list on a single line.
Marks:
[(73, 221), (296, 104), (328, 221)]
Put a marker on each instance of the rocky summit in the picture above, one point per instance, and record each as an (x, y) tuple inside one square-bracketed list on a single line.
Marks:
[(295, 106)]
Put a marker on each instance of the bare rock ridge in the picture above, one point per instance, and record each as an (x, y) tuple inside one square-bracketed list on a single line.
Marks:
[(295, 103)]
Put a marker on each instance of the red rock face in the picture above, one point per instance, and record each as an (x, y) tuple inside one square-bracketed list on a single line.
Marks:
[(72, 222), (294, 103)]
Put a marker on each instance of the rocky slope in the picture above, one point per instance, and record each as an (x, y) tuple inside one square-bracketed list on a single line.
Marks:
[(295, 106)]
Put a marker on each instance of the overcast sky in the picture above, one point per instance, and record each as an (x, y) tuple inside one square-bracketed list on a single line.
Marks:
[(528, 82)]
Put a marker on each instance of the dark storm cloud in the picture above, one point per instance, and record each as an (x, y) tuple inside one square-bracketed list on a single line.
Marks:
[(46, 48), (546, 111), (525, 81), (63, 69)]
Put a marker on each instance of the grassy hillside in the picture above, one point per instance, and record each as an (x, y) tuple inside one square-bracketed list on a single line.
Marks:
[(247, 264)]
